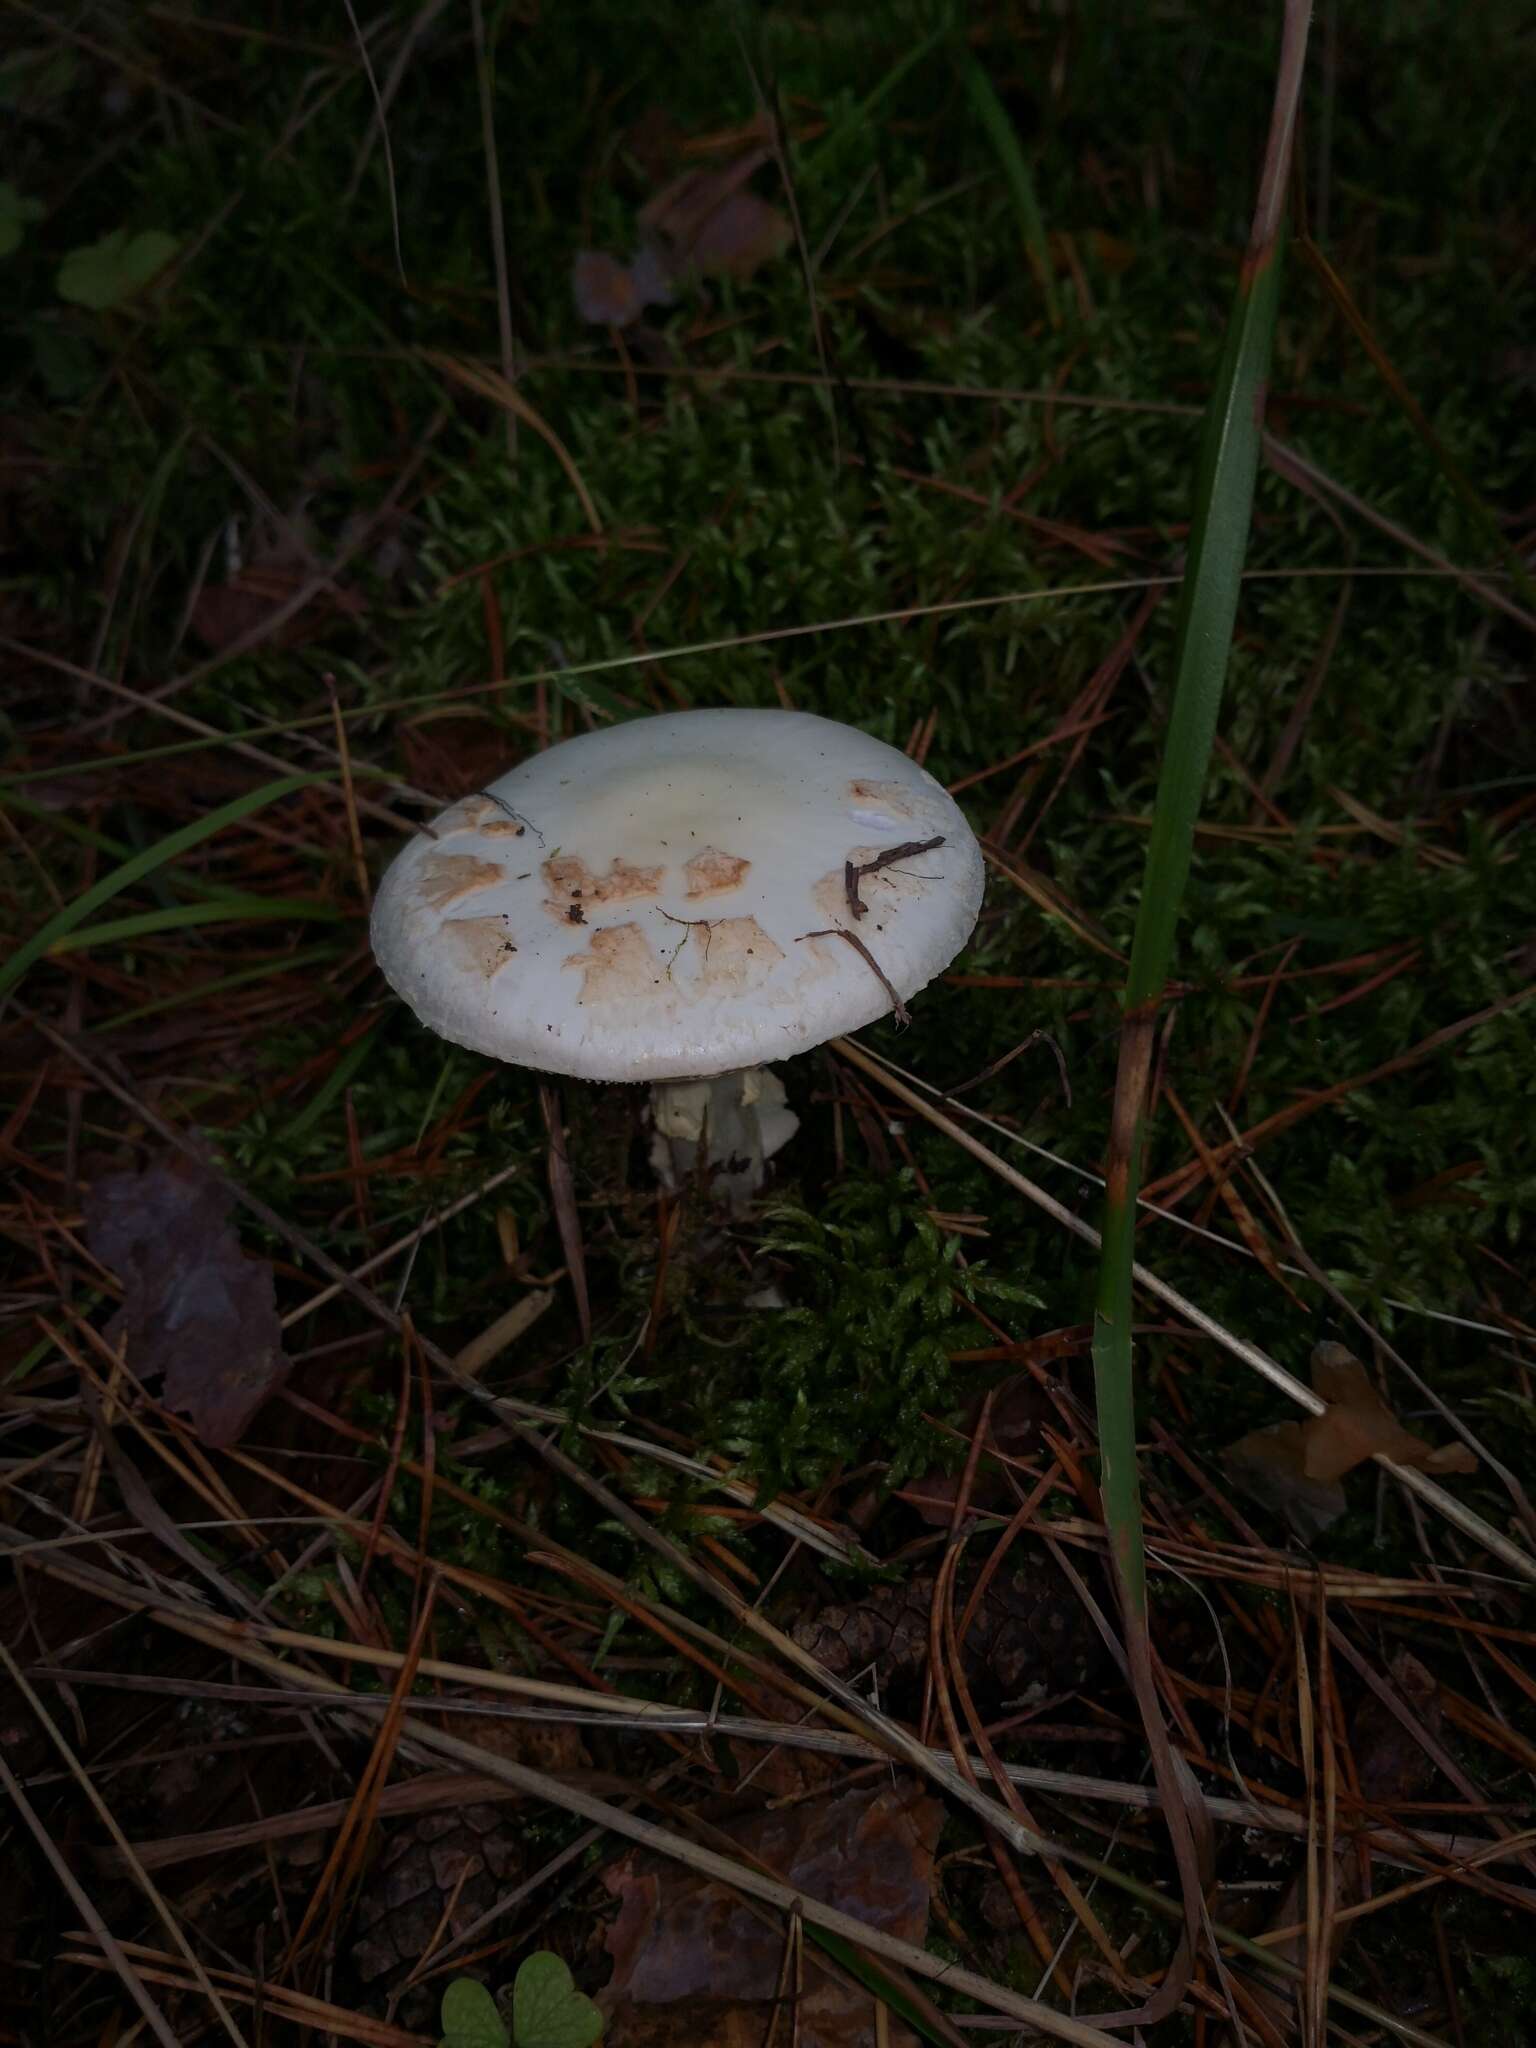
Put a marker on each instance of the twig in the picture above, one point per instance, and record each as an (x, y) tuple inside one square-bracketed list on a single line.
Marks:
[(133, 1983), (349, 797), (562, 1193), (384, 100), (854, 872), (108, 1820), (741, 1877), (634, 1716), (502, 391), (427, 1225), (899, 1009), (295, 2006)]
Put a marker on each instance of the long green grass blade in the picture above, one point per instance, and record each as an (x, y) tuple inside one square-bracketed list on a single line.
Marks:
[(226, 910), (120, 849), (1228, 465), (142, 864), (993, 116), (875, 1980), (333, 1084), (833, 144), (287, 963)]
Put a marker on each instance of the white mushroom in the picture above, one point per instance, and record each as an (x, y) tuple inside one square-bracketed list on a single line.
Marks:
[(680, 900)]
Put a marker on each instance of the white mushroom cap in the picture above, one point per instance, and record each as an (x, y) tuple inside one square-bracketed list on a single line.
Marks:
[(669, 897)]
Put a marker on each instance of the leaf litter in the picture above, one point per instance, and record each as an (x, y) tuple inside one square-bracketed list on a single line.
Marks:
[(197, 1311), (1029, 1636), (706, 223), (710, 1968), (1391, 1769), (1297, 1467)]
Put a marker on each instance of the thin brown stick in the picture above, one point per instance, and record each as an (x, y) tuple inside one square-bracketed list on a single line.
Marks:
[(501, 390), (785, 1898), (349, 797), (296, 2006), (108, 1820), (854, 872), (899, 1009), (430, 1222), (641, 1717), (562, 1193), (112, 1949)]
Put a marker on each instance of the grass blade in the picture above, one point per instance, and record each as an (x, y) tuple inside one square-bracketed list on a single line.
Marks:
[(836, 140), (875, 1981), (287, 963), (228, 910), (1223, 509), (333, 1084), (142, 864), (993, 116), (1229, 459)]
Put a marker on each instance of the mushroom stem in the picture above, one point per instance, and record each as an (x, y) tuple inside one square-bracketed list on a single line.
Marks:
[(730, 1125)]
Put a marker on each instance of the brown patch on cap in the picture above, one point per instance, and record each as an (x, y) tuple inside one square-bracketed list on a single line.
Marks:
[(882, 796), (480, 944), (881, 891), (573, 885), (618, 966), (468, 816), (480, 814), (734, 953), (447, 878), (712, 873)]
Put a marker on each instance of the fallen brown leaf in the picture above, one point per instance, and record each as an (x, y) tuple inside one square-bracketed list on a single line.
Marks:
[(705, 223), (1271, 1465), (195, 1308), (710, 224), (689, 1950), (226, 612), (1297, 1466), (738, 237)]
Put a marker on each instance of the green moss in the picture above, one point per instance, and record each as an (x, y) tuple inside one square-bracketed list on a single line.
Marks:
[(859, 1359)]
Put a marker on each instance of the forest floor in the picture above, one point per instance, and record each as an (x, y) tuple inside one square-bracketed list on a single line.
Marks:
[(641, 359)]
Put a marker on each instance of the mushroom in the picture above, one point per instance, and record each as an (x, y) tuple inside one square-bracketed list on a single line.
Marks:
[(680, 900)]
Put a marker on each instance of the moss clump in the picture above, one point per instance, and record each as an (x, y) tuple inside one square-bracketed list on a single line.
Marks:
[(860, 1360)]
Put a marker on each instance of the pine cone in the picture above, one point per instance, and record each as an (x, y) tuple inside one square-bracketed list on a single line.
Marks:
[(410, 1885), (407, 1891), (1030, 1636)]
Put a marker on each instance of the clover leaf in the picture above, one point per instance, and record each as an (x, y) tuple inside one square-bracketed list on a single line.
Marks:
[(547, 2009), (105, 273), (470, 2017)]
